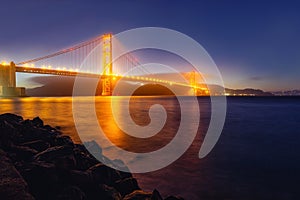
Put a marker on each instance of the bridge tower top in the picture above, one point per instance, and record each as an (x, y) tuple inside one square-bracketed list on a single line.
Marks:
[(107, 54)]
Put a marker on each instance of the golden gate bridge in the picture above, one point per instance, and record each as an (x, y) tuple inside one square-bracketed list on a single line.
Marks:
[(69, 62)]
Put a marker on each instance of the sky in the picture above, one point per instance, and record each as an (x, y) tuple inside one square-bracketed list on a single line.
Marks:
[(255, 44)]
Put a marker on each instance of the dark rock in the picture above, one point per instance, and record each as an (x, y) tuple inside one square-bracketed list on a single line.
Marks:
[(11, 118), (37, 122), (138, 195), (63, 140), (174, 198), (80, 178), (119, 164), (30, 133), (53, 167), (23, 152), (38, 145), (84, 160), (12, 184), (156, 195), (103, 174), (110, 193), (51, 129), (127, 186), (61, 156), (93, 148), (7, 134), (42, 178), (71, 193)]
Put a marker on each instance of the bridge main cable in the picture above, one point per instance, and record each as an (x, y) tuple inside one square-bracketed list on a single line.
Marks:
[(62, 51)]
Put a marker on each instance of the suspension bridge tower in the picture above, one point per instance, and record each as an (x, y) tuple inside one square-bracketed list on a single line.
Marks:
[(8, 81), (107, 64), (193, 83)]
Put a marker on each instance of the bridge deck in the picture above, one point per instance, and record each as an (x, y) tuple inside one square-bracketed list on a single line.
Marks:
[(56, 72)]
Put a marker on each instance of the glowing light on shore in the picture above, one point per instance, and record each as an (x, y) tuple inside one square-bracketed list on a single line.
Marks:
[(4, 63)]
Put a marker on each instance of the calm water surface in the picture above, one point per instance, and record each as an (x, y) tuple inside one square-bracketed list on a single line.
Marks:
[(257, 156)]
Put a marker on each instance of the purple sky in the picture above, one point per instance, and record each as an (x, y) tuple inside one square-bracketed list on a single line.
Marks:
[(254, 44)]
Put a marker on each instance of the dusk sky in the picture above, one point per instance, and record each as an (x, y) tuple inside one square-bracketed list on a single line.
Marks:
[(254, 44)]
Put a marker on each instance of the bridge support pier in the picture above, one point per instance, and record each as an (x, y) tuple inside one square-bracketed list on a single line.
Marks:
[(8, 81), (106, 87)]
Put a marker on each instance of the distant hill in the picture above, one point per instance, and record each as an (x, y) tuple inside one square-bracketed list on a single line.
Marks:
[(153, 89), (63, 86), (287, 93), (247, 92)]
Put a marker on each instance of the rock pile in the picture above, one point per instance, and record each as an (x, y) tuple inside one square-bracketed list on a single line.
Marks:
[(38, 162)]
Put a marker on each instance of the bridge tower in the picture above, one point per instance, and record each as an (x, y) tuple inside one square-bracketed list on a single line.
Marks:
[(8, 81), (193, 83), (107, 64), (8, 75)]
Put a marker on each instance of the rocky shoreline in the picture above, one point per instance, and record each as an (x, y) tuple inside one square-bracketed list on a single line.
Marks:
[(38, 162)]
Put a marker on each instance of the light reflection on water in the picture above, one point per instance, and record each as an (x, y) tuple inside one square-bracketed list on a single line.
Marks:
[(57, 111), (257, 156)]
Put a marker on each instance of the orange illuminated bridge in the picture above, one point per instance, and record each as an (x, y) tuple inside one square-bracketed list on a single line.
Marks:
[(74, 55)]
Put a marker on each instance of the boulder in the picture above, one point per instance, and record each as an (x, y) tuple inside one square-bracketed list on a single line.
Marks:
[(110, 193), (11, 118), (174, 198), (156, 195), (80, 178), (71, 193), (38, 145), (103, 174), (42, 178), (12, 184), (22, 152), (138, 195), (127, 186), (61, 156), (63, 140), (84, 160), (37, 122), (8, 134), (93, 148), (31, 133), (119, 164)]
